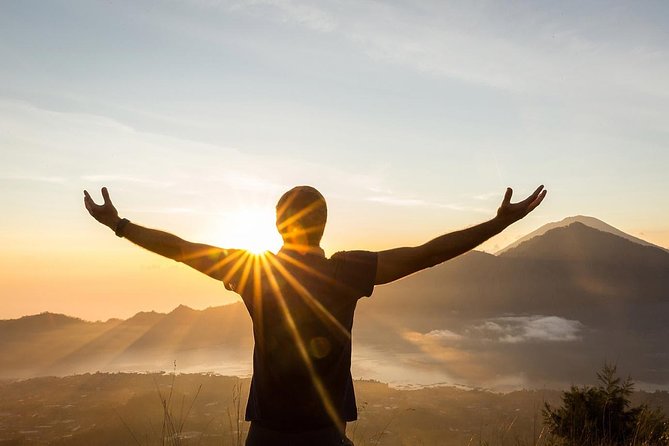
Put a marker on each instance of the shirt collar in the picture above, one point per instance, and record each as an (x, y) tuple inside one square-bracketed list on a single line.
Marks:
[(302, 250)]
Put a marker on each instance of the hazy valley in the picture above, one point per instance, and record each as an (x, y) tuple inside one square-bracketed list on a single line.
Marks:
[(546, 312)]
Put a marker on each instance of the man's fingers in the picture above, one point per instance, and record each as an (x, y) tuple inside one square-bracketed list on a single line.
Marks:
[(88, 201), (105, 195), (537, 201), (534, 195), (507, 197)]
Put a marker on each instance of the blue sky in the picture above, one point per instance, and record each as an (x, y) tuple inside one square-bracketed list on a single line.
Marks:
[(411, 117)]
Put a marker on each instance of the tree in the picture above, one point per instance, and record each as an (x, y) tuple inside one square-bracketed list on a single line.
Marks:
[(602, 416)]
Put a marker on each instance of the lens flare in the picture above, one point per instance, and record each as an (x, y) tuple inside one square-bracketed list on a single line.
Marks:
[(250, 228)]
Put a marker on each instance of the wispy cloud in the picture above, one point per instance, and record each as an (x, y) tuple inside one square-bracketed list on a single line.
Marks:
[(307, 14), (167, 210), (560, 53), (188, 169), (416, 202), (303, 13), (438, 39), (116, 178), (247, 182), (510, 330), (444, 334), (488, 196), (537, 328), (35, 178)]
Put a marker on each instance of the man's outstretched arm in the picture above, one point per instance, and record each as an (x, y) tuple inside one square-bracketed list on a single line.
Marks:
[(202, 257), (396, 263)]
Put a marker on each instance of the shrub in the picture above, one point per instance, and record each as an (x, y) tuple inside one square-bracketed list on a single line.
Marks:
[(602, 416)]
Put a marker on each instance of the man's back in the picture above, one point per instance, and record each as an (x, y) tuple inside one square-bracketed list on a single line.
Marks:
[(302, 309)]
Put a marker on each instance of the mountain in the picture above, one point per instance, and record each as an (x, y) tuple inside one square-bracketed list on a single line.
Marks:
[(36, 346), (550, 310), (578, 243), (29, 344), (36, 323), (585, 220), (573, 272)]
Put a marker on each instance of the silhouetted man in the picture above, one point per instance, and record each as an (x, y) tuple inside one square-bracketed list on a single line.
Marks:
[(302, 304)]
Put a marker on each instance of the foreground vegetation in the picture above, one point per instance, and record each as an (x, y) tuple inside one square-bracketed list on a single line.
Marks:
[(195, 409), (603, 415)]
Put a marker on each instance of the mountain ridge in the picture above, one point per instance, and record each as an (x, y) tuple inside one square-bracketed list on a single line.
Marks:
[(579, 238), (592, 222)]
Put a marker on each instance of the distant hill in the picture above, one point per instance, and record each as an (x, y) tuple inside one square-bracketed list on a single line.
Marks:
[(585, 220), (38, 346), (547, 311), (35, 323)]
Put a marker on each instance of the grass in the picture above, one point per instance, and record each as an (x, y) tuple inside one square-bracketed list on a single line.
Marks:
[(235, 419), (175, 416)]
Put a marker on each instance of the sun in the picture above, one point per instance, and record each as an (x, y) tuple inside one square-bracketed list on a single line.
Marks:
[(251, 228)]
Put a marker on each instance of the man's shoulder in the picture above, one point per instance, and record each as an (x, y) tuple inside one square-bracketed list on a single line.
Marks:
[(355, 256), (357, 270)]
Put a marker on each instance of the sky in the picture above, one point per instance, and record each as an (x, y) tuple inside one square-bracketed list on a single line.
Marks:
[(410, 117)]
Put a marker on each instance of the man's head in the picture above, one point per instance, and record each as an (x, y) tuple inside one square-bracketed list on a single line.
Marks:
[(301, 214)]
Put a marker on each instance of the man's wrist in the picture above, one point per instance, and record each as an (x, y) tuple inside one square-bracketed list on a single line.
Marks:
[(119, 230), (502, 223), (113, 224)]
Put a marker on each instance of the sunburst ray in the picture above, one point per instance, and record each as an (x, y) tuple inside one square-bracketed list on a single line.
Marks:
[(316, 380), (307, 297)]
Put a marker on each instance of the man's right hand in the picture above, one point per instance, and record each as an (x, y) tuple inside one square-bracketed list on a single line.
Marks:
[(509, 213), (105, 213)]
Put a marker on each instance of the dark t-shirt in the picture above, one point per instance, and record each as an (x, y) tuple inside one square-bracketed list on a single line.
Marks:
[(302, 310)]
